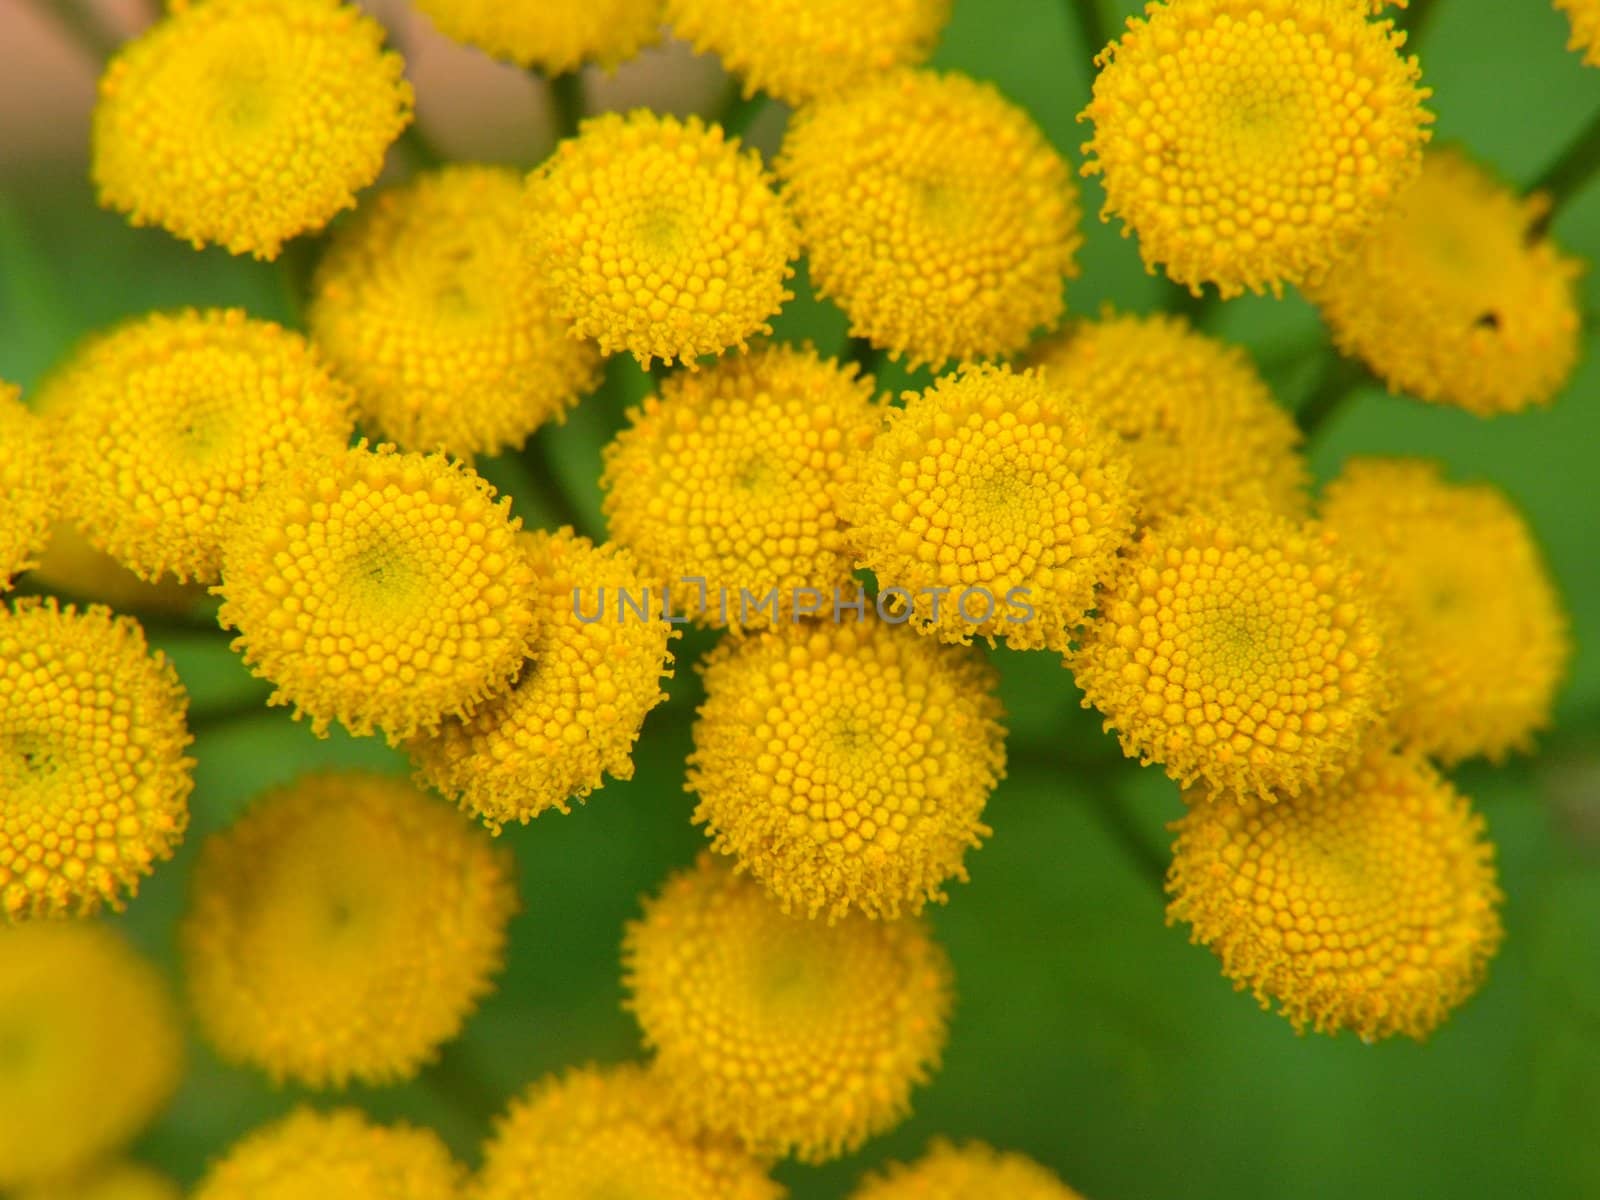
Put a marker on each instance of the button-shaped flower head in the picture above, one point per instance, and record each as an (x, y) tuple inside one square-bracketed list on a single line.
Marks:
[(553, 36), (30, 481), (967, 1172)]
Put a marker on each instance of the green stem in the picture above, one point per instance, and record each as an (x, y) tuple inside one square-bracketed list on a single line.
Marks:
[(566, 94), (1340, 378), (1571, 171), (85, 27), (1093, 25)]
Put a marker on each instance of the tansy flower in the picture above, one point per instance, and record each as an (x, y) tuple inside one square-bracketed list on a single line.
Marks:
[(1455, 298), (996, 504), (554, 36), (576, 708), (93, 777), (1239, 649), (798, 50), (614, 1132), (1480, 642), (1584, 16), (659, 237), (72, 566), (124, 1180), (1365, 904), (847, 767), (796, 1036), (1199, 425), (246, 122), (166, 424), (379, 589), (343, 929), (426, 303), (30, 483), (1250, 142), (972, 1171), (92, 1048), (335, 1154), (934, 212), (731, 476)]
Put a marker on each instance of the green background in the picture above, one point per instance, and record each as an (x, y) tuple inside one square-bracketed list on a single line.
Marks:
[(1088, 1033)]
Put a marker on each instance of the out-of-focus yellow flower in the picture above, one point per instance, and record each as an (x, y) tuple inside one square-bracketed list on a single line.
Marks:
[(72, 566), (427, 304), (93, 1048), (555, 36), (997, 504), (1249, 143), (168, 423), (1199, 425), (1454, 298), (1584, 16), (343, 929), (972, 1171), (124, 1180), (847, 767), (796, 1036), (934, 212), (1480, 642), (93, 777), (379, 589), (1367, 904), (30, 483), (659, 237), (246, 122)]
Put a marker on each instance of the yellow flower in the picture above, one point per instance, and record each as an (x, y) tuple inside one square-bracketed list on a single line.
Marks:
[(125, 1180), (1250, 142), (995, 505), (555, 36), (934, 212), (341, 1154), (1367, 904), (591, 1133), (379, 589), (731, 476), (1584, 16), (1454, 298), (343, 929), (1240, 649), (93, 777), (426, 303), (847, 767), (166, 424), (30, 483), (967, 1172), (659, 237), (93, 1048), (1480, 642), (577, 707), (798, 50), (246, 122), (71, 565), (1199, 425)]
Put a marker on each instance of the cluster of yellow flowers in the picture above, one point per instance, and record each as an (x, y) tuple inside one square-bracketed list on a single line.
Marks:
[(1123, 492)]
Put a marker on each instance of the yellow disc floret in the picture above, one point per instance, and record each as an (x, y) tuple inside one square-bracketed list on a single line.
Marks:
[(1458, 296), (1240, 649), (594, 670), (993, 505), (972, 1171), (1199, 424), (1480, 641), (92, 1046), (847, 766), (1250, 142), (94, 784), (554, 36), (427, 304), (125, 1180), (1584, 16), (1366, 904), (731, 477), (246, 122), (659, 237), (343, 929), (934, 212), (379, 589), (170, 422), (30, 483)]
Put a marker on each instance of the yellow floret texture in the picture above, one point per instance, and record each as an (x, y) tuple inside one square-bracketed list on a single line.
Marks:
[(30, 481), (554, 36), (1584, 17), (70, 565), (972, 1171), (124, 1180)]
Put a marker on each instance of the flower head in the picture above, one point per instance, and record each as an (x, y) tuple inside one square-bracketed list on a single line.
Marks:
[(1250, 142), (246, 122), (92, 767), (379, 589), (934, 212), (93, 1048), (847, 767), (123, 1180), (1198, 423), (1366, 904), (1240, 649), (170, 422), (732, 475), (30, 483), (1584, 16), (997, 504), (338, 897), (660, 237), (426, 303), (553, 36), (966, 1172)]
